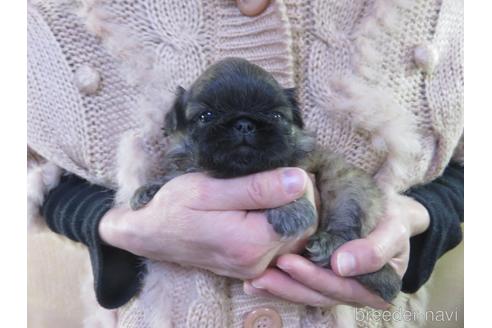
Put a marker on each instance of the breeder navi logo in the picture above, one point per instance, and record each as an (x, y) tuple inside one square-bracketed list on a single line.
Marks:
[(405, 315)]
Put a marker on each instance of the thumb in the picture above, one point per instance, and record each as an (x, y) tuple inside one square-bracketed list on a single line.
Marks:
[(256, 191), (365, 255)]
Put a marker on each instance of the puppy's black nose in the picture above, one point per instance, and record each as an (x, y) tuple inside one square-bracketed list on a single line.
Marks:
[(244, 126)]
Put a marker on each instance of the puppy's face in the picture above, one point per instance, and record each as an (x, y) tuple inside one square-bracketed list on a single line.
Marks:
[(237, 120)]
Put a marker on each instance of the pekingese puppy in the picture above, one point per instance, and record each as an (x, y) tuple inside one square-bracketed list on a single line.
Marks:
[(237, 120)]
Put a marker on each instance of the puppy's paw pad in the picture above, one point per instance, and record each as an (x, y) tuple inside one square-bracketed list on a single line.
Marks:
[(292, 219), (385, 282), (143, 196), (320, 247)]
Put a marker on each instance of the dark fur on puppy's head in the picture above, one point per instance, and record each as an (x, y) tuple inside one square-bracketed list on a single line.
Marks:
[(236, 119)]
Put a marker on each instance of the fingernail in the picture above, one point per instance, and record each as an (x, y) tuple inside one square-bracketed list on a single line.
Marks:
[(293, 180), (257, 285), (283, 267), (248, 289), (345, 263)]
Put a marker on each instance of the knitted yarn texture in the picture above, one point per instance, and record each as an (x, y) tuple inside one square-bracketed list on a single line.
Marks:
[(362, 89)]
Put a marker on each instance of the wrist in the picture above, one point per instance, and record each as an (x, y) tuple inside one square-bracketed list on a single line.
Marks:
[(114, 228), (418, 216), (129, 230)]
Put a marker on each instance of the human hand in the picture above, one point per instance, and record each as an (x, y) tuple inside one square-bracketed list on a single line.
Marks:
[(208, 223), (298, 280)]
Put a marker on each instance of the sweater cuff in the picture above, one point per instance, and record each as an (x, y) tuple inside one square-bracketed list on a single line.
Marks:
[(443, 234), (117, 273), (75, 208)]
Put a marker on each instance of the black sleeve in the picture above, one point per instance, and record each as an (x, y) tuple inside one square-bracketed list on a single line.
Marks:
[(443, 199), (74, 209)]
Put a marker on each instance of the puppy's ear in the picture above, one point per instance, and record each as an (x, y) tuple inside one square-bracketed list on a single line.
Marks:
[(291, 95), (175, 119)]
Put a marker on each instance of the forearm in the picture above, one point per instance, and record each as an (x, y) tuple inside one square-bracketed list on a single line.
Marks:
[(113, 228), (122, 227)]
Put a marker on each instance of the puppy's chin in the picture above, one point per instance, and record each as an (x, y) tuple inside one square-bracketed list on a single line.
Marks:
[(243, 160)]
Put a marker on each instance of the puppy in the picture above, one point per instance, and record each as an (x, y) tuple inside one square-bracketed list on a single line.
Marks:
[(237, 120)]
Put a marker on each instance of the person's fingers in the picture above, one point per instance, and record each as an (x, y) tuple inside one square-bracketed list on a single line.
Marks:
[(279, 284), (326, 282), (316, 195), (370, 254), (256, 191), (250, 290)]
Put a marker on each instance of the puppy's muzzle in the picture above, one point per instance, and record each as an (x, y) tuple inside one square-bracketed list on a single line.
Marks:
[(244, 127)]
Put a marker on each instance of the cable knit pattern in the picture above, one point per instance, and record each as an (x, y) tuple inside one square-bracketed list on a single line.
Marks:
[(211, 298), (325, 52), (447, 106), (91, 123), (50, 86), (264, 40), (242, 304), (360, 88)]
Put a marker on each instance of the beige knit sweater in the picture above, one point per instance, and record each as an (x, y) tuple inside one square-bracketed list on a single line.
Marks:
[(380, 82)]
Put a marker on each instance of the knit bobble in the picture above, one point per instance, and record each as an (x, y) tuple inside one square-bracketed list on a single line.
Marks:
[(426, 57), (252, 7), (87, 79)]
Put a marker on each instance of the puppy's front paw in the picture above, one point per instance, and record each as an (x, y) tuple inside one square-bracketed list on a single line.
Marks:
[(143, 196), (292, 219), (320, 247), (385, 282)]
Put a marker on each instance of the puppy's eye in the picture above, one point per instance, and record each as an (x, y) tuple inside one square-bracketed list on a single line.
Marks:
[(276, 115), (206, 117)]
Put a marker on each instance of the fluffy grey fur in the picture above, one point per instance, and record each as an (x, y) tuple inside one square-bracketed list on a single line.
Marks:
[(231, 105)]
